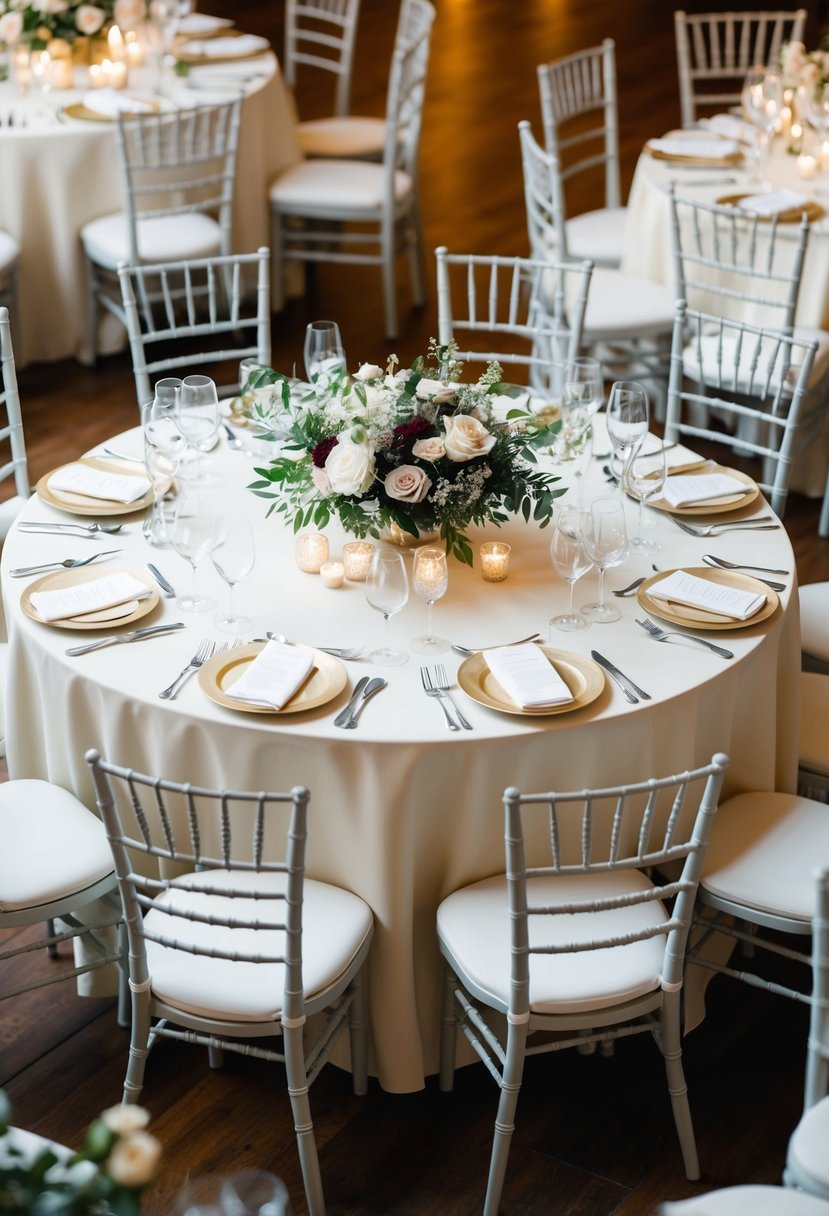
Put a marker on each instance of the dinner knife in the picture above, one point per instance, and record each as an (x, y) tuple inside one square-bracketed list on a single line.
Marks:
[(166, 587), (344, 714), (373, 686), (632, 691), (135, 636)]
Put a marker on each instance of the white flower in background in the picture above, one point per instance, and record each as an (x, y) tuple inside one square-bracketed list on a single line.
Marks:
[(322, 481), (466, 438), (407, 483), (368, 371), (129, 14), (11, 27), (50, 6), (350, 468), (134, 1159), (125, 1119), (434, 390), (89, 19)]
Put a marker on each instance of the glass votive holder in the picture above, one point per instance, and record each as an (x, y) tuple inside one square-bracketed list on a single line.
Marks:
[(494, 560), (311, 552), (332, 574), (357, 555), (20, 63)]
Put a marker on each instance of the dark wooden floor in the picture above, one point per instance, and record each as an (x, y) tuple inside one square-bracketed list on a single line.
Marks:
[(595, 1135)]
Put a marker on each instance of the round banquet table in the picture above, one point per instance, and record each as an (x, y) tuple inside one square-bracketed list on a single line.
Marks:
[(60, 172), (649, 255), (402, 811)]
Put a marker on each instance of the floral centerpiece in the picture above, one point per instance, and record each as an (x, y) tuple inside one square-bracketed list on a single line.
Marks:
[(410, 449), (40, 21), (106, 1178)]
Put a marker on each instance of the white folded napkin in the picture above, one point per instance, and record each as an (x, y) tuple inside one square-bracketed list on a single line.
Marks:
[(92, 596), (274, 676), (686, 488), (219, 73), (216, 48), (730, 127), (773, 204), (110, 103), (703, 149), (96, 483), (683, 588), (195, 25), (527, 676)]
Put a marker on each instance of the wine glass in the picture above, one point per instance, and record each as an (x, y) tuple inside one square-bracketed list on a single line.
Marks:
[(762, 99), (606, 544), (197, 417), (164, 17), (813, 104), (570, 561), (254, 1193), (233, 555), (387, 590), (192, 537), (430, 579), (627, 422), (163, 445), (324, 353), (646, 480), (583, 379)]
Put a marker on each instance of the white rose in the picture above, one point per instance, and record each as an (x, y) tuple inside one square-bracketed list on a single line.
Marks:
[(11, 27), (368, 371), (129, 13), (134, 1160), (407, 483), (89, 19), (125, 1119), (466, 438), (50, 6), (429, 449), (350, 468), (434, 390)]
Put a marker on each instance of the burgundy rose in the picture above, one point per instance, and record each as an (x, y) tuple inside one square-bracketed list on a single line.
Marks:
[(321, 452), (409, 431)]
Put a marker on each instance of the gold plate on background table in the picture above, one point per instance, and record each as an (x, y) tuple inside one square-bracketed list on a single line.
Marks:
[(81, 504), (78, 110), (698, 618), (732, 502), (583, 677), (186, 57), (813, 210), (735, 158), (327, 679), (131, 611)]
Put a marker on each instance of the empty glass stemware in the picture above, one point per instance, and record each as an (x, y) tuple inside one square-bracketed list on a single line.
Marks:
[(192, 537), (197, 417), (254, 1193), (646, 480), (762, 100), (606, 544), (163, 446), (570, 562), (627, 422), (164, 18), (233, 556), (324, 353), (430, 580), (387, 590)]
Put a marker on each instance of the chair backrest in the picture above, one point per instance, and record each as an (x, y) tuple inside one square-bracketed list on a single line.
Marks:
[(817, 1060), (192, 313), (715, 50), (518, 311), (543, 198), (642, 826), (736, 265), (321, 34), (579, 110), (240, 853), (179, 162), (406, 90), (744, 376), (11, 422)]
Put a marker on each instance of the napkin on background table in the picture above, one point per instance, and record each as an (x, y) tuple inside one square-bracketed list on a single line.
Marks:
[(683, 588), (196, 25), (527, 676), (91, 596), (111, 103), (216, 48), (97, 483), (686, 488), (703, 149), (730, 127), (274, 676), (773, 204)]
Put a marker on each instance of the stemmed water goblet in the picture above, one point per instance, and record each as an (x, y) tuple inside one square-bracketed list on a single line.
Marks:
[(627, 422), (164, 18), (192, 538), (606, 544), (762, 99), (254, 1193), (570, 562), (324, 352), (430, 579), (233, 555), (387, 590), (197, 417), (163, 446), (646, 480)]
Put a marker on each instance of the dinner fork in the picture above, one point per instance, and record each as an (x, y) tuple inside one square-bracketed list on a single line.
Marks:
[(431, 691), (665, 635), (71, 563), (441, 681), (206, 650), (757, 524)]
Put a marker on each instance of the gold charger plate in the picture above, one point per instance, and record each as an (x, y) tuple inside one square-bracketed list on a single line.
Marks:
[(78, 110), (813, 210), (698, 618), (118, 614), (734, 159), (327, 679), (733, 502), (583, 677), (187, 57), (80, 504)]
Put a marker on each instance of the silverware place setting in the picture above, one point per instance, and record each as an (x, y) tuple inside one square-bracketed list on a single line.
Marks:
[(364, 689), (755, 524), (440, 696), (206, 649), (69, 563), (468, 650), (92, 529), (137, 635), (632, 691), (711, 560), (717, 566), (670, 635), (166, 586)]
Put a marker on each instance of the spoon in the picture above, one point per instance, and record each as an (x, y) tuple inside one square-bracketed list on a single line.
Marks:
[(43, 526), (71, 563), (710, 560), (466, 650), (233, 440)]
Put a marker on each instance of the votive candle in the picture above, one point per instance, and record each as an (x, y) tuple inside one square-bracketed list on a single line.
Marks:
[(332, 574), (494, 560), (311, 552), (357, 555), (806, 165)]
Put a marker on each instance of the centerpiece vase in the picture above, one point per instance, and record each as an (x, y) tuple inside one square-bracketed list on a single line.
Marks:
[(395, 535)]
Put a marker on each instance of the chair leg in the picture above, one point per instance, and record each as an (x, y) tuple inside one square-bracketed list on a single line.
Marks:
[(91, 311), (215, 1055), (277, 266), (139, 1045), (303, 1126), (389, 287), (677, 1088), (823, 523), (51, 949), (358, 1032), (417, 266), (448, 1032), (505, 1118)]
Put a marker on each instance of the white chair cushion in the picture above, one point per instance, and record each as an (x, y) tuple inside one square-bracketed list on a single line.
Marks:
[(165, 239), (4, 659), (335, 926), (814, 723), (707, 353), (620, 306), (474, 925), (809, 1149), (598, 235), (748, 1201), (52, 845), (814, 619), (350, 135), (763, 851), (9, 511), (336, 184), (9, 251)]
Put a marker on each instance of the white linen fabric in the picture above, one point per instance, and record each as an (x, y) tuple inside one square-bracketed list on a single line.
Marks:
[(96, 483), (748, 1201), (274, 675), (683, 588), (218, 48), (775, 203), (705, 149), (111, 103), (682, 490), (527, 676)]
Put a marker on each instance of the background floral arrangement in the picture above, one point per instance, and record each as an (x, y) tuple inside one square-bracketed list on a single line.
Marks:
[(39, 21), (802, 67), (415, 448), (117, 1161)]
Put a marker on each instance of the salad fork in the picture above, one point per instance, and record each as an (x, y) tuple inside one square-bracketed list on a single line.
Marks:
[(206, 650), (665, 635), (439, 694), (758, 524), (441, 681), (71, 563)]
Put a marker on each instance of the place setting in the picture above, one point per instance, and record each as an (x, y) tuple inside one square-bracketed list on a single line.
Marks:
[(93, 486), (530, 679), (86, 599), (708, 598), (272, 678)]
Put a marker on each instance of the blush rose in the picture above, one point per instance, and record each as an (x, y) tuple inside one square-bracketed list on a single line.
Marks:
[(407, 483), (466, 438)]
